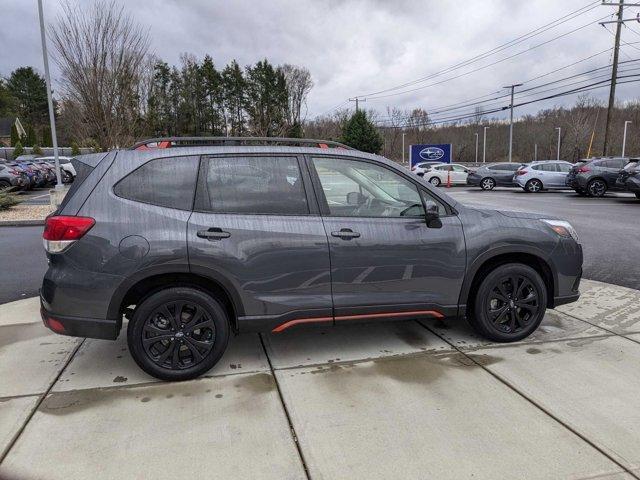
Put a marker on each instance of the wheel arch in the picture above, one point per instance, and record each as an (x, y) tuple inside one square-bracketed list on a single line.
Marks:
[(141, 286), (501, 256)]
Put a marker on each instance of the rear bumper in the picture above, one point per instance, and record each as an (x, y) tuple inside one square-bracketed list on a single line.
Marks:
[(632, 184), (79, 327), (473, 180)]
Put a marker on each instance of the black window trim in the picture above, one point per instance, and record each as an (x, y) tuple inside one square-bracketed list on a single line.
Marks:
[(312, 204), (193, 196), (324, 205)]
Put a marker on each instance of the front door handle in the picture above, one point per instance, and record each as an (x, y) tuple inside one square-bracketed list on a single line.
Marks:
[(345, 234), (213, 233)]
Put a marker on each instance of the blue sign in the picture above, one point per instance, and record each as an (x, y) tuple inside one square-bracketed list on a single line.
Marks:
[(431, 153)]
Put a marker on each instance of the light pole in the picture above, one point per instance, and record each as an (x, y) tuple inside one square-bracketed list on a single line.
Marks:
[(484, 145), (512, 87), (535, 152), (52, 117), (477, 136), (624, 137), (559, 131), (403, 134)]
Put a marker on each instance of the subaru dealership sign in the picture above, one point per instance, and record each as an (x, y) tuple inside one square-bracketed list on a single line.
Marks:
[(431, 153)]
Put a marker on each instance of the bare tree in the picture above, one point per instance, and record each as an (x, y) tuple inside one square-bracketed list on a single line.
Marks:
[(299, 83), (101, 53)]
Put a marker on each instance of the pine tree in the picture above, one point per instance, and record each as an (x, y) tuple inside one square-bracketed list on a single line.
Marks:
[(36, 150), (75, 151), (266, 100), (30, 139), (46, 136), (30, 91), (15, 138), (360, 133), (235, 98), (18, 149)]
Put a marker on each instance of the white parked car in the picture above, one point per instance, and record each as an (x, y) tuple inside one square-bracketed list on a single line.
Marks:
[(440, 174), (421, 168), (65, 165), (542, 175)]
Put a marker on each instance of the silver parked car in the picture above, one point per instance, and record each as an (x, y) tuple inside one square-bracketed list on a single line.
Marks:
[(542, 175)]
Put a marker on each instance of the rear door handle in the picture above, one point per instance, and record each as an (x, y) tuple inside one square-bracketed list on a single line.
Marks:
[(345, 234), (213, 233)]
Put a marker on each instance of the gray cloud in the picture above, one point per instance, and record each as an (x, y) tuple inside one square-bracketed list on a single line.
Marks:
[(354, 47)]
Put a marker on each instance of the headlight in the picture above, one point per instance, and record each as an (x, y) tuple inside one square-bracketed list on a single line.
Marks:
[(562, 228)]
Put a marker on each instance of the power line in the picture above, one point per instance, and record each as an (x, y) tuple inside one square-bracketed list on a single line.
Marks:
[(493, 51)]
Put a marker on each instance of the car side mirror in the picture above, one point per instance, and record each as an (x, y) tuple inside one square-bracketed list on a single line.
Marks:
[(432, 214), (355, 198)]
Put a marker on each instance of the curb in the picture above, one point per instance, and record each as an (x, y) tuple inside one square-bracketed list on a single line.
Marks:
[(21, 223)]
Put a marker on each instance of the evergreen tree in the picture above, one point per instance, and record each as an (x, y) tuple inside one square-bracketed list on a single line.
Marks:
[(15, 138), (234, 98), (36, 150), (360, 133), (75, 150), (7, 100), (213, 110), (266, 100), (30, 92), (18, 149), (30, 139), (46, 136)]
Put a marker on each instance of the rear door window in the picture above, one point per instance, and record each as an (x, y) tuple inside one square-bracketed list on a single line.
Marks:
[(251, 185), (166, 182)]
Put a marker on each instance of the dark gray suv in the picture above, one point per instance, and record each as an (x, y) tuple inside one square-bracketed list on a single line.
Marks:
[(212, 236), (595, 176)]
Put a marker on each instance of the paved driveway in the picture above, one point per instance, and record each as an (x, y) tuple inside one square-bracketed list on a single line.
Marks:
[(387, 400)]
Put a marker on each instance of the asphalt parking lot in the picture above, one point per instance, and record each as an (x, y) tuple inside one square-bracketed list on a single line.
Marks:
[(404, 400)]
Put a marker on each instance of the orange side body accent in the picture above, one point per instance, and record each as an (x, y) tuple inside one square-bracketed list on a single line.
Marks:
[(291, 323)]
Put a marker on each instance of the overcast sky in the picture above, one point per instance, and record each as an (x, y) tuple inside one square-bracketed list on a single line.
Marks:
[(356, 47)]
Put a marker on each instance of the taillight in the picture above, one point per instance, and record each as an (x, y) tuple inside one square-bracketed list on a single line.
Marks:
[(583, 170), (61, 231), (521, 172)]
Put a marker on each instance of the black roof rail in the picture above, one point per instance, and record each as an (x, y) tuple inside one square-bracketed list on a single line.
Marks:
[(171, 142)]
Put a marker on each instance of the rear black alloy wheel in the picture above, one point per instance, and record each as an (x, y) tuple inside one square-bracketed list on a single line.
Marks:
[(510, 303), (533, 186), (597, 188), (435, 181), (487, 184), (178, 333)]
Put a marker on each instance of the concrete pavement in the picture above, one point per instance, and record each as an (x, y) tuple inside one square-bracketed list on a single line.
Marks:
[(424, 399)]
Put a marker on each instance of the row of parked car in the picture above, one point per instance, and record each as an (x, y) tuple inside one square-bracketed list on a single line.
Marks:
[(29, 171), (592, 177)]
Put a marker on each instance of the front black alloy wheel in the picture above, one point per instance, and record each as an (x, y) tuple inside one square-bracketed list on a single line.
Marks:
[(510, 303), (178, 333), (487, 183), (597, 188)]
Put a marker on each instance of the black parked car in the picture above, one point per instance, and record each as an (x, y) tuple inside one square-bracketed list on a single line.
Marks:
[(488, 177), (190, 244), (629, 177), (595, 176)]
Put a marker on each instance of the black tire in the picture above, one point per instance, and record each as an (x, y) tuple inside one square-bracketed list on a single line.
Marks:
[(4, 184), (533, 186), (199, 348), (487, 183), (435, 181), (597, 187), (502, 315)]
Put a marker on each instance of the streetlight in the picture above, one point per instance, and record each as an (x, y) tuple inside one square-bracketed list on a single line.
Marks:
[(52, 117), (484, 145), (559, 131), (535, 152), (624, 137), (403, 134), (512, 87), (476, 134)]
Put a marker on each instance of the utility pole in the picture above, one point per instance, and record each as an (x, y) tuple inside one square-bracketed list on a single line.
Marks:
[(403, 134), (52, 116), (484, 146), (614, 76), (357, 100), (624, 137), (535, 152), (512, 87), (559, 132), (477, 136)]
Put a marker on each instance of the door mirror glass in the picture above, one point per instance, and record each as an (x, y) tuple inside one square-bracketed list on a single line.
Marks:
[(355, 198), (431, 208)]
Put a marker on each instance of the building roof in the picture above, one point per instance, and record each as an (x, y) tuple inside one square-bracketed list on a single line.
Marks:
[(5, 126)]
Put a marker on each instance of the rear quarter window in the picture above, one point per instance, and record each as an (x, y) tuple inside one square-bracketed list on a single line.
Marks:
[(165, 182)]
